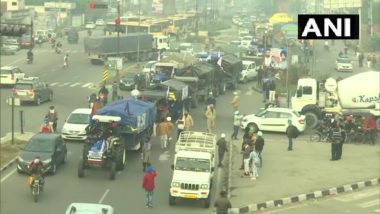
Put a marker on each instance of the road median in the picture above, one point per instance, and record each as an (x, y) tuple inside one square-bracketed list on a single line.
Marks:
[(9, 151)]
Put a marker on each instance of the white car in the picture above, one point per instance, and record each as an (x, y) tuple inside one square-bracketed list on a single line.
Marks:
[(249, 71), (274, 119), (75, 125), (100, 22), (85, 208), (12, 44), (185, 48), (149, 67), (9, 75), (246, 42), (343, 64), (90, 25)]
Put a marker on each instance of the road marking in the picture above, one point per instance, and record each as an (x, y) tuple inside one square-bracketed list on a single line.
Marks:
[(359, 195), (375, 202), (7, 176), (163, 157), (66, 83), (86, 85), (54, 83), (75, 84), (103, 196)]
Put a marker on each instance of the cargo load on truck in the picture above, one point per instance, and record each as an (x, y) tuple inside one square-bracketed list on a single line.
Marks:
[(232, 67)]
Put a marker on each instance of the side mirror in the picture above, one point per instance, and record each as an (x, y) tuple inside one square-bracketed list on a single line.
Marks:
[(212, 169), (172, 166)]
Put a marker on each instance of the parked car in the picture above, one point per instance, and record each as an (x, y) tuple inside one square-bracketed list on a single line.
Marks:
[(32, 89), (128, 82), (13, 44), (90, 25), (75, 125), (249, 71), (10, 75), (343, 64), (100, 22), (83, 208), (274, 119), (49, 147), (26, 41), (6, 50)]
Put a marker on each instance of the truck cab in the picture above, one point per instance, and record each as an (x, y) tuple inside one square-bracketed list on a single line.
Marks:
[(161, 42), (193, 167)]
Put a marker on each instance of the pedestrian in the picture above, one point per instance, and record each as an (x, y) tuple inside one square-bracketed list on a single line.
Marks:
[(210, 115), (148, 185), (336, 138), (188, 121), (272, 90), (114, 90), (372, 128), (52, 117), (374, 61), (211, 100), (292, 132), (259, 146), (237, 121), (103, 95), (222, 148), (360, 59), (265, 90), (222, 204), (180, 125), (369, 61), (164, 130), (66, 61), (146, 152), (254, 157), (246, 158), (235, 101)]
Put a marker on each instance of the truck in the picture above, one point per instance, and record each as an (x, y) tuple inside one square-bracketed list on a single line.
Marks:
[(136, 120), (128, 46), (232, 67), (359, 92), (193, 167)]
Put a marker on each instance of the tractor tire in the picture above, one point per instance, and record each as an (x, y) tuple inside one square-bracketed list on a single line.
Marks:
[(113, 170), (120, 158), (171, 200), (206, 202)]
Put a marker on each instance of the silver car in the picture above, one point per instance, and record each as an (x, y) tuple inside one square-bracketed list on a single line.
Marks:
[(31, 89)]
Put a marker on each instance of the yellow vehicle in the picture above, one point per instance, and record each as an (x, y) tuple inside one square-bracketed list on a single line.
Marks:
[(177, 24), (164, 23), (280, 18)]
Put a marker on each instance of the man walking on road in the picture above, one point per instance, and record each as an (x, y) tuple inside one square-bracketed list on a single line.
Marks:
[(189, 122), (259, 146), (210, 115), (164, 130), (146, 152), (291, 132), (222, 204), (222, 148), (148, 185), (237, 120), (114, 91)]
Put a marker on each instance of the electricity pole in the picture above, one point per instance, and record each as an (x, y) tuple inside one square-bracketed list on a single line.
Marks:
[(138, 36), (118, 37)]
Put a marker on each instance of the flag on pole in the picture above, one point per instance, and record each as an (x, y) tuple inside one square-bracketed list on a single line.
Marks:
[(219, 61)]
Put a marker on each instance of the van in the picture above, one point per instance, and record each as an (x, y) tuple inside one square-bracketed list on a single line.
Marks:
[(43, 34)]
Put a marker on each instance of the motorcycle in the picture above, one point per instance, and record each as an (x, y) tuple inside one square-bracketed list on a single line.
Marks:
[(29, 60), (36, 186)]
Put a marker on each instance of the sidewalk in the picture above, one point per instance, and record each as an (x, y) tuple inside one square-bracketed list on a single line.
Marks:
[(17, 136), (305, 169)]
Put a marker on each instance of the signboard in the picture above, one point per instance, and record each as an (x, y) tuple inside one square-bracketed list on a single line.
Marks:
[(157, 7), (115, 63), (63, 5), (185, 92), (105, 74), (337, 4)]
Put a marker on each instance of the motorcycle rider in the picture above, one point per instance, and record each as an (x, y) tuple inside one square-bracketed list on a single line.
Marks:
[(58, 48), (36, 169), (66, 61), (46, 127), (29, 56), (52, 117), (103, 95)]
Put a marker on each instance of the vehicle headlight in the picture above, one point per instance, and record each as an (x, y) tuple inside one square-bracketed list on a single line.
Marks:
[(46, 161), (204, 186), (21, 160), (176, 184)]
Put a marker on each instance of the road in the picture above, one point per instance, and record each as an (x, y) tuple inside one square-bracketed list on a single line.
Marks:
[(365, 201)]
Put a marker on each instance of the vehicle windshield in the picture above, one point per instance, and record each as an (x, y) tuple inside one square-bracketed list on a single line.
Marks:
[(344, 60), (78, 118), (261, 113), (3, 71), (192, 164), (40, 145)]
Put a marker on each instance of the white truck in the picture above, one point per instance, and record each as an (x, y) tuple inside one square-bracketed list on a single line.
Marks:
[(193, 167), (249, 71), (359, 92)]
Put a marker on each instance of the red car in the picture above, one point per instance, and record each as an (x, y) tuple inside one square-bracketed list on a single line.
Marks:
[(26, 41)]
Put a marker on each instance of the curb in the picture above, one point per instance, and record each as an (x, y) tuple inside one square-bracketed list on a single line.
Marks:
[(10, 163), (229, 170), (307, 196)]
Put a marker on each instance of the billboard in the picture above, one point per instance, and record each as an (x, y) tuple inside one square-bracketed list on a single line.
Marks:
[(338, 4), (157, 7)]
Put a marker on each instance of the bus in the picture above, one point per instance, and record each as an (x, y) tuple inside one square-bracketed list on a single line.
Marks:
[(177, 24)]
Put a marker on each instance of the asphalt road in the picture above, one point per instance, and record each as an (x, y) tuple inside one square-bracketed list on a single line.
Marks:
[(365, 201)]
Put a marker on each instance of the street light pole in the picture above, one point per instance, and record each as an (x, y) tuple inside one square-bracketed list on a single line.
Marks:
[(138, 36), (118, 38)]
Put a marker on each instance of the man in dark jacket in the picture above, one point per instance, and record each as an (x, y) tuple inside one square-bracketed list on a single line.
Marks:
[(291, 132), (222, 148), (222, 204), (103, 95), (259, 146), (148, 185)]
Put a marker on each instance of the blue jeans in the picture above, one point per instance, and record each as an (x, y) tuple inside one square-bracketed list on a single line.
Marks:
[(149, 198), (290, 147)]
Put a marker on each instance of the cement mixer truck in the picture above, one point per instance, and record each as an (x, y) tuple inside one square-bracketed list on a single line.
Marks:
[(360, 92)]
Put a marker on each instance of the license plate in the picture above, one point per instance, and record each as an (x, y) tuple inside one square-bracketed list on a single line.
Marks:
[(22, 93), (190, 196)]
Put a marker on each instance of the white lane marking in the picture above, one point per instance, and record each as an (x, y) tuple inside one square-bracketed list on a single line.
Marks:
[(86, 85), (103, 196), (375, 202), (358, 195), (54, 83), (7, 176), (75, 84), (64, 84)]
